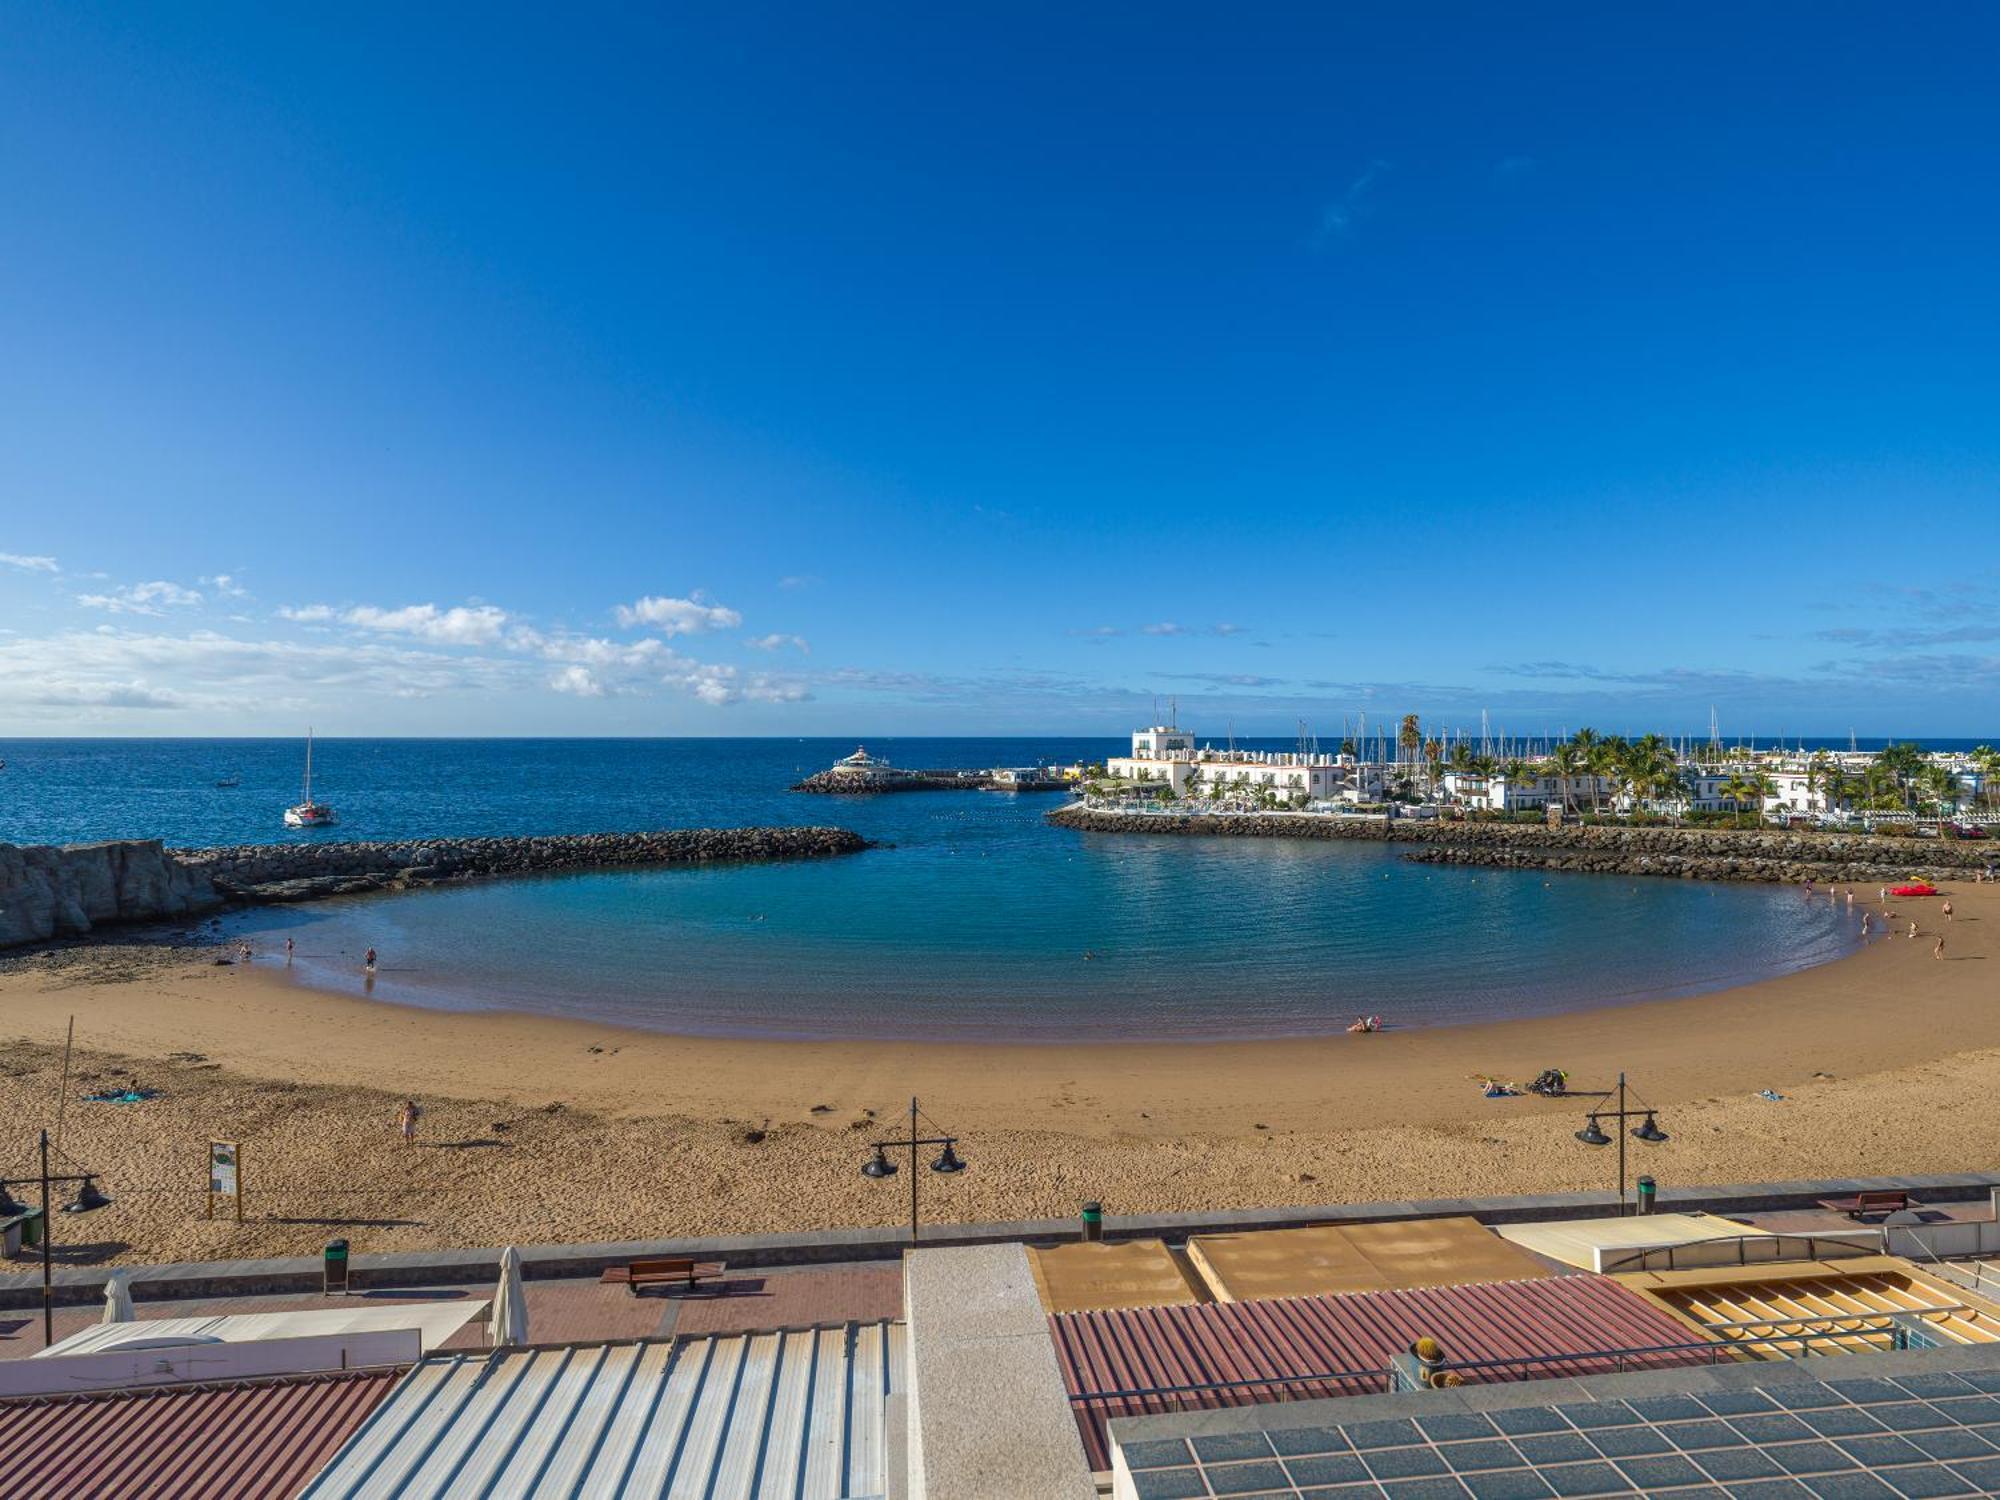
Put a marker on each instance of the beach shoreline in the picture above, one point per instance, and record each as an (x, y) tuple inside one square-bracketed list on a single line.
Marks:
[(616, 1133)]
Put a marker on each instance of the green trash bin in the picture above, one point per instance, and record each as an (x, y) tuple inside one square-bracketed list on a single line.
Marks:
[(1648, 1195), (334, 1267), (1093, 1222)]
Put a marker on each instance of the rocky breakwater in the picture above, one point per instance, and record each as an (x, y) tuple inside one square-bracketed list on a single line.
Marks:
[(46, 892), (50, 893), (835, 783), (1681, 853), (265, 873)]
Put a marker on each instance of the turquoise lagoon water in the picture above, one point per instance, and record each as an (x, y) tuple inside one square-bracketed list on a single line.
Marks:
[(976, 921)]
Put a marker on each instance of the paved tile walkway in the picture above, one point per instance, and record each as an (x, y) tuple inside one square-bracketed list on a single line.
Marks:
[(796, 1299)]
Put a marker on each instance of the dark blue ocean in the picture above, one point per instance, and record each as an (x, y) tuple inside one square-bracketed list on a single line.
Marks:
[(979, 921)]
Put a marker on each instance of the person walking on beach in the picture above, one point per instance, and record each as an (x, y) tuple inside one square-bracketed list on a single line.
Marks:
[(1947, 911), (288, 952), (406, 1122), (368, 961), (1938, 951), (1864, 925), (1913, 929)]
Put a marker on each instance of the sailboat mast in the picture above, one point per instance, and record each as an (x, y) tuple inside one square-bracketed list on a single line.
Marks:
[(309, 767)]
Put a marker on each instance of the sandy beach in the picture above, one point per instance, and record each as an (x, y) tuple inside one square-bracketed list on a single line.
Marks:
[(538, 1129)]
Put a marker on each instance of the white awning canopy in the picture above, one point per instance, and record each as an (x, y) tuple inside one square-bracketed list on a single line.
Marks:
[(434, 1322), (1593, 1243)]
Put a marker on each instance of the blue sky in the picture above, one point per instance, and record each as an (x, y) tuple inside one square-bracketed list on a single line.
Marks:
[(935, 369)]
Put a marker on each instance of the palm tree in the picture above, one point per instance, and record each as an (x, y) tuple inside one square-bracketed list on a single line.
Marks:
[(1748, 788), (1566, 761), (1941, 785), (1987, 759), (1409, 738)]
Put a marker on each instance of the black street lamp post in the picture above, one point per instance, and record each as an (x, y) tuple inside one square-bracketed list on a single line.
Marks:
[(948, 1162), (1648, 1131), (87, 1197)]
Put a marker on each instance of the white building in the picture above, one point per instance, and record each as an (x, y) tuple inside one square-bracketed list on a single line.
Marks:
[(864, 767), (1796, 792), (1166, 755), (1162, 742), (1499, 793)]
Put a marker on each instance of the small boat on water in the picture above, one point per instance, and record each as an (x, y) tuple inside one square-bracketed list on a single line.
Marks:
[(229, 781), (309, 814)]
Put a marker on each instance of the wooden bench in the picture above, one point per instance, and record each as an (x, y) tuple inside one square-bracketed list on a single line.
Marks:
[(662, 1272), (1861, 1205)]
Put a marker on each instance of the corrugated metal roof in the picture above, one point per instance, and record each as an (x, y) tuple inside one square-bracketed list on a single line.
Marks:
[(1141, 1349), (796, 1414), (247, 1440)]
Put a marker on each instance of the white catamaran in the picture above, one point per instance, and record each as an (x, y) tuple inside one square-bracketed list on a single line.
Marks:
[(309, 814)]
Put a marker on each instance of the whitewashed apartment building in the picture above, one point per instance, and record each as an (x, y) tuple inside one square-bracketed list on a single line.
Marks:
[(1167, 755)]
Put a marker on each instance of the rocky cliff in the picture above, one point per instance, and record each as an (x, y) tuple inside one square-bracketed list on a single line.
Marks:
[(47, 892), (1683, 853), (50, 893)]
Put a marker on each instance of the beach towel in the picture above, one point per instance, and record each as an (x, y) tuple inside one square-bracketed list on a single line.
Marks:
[(121, 1096)]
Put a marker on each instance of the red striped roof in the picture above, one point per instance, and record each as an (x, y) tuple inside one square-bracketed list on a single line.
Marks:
[(1145, 1348), (245, 1440)]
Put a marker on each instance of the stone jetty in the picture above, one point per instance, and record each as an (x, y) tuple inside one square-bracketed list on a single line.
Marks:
[(841, 783), (48, 892), (1679, 853)]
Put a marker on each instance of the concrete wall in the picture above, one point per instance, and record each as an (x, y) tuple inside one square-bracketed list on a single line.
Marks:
[(988, 1412)]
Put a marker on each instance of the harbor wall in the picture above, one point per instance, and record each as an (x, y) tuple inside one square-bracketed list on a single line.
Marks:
[(840, 784), (1679, 853), (48, 892)]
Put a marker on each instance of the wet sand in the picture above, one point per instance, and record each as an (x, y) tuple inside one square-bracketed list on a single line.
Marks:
[(540, 1129)]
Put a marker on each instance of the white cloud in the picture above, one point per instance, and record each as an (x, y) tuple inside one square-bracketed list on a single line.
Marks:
[(690, 616), (1164, 627), (775, 642), (220, 675), (28, 564), (105, 695), (577, 680), (462, 625), (154, 598), (226, 585)]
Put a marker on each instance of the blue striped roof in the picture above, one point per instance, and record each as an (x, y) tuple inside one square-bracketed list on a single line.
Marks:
[(795, 1414)]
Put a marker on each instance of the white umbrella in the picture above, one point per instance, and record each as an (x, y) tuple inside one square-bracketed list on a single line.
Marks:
[(509, 1323), (118, 1298)]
